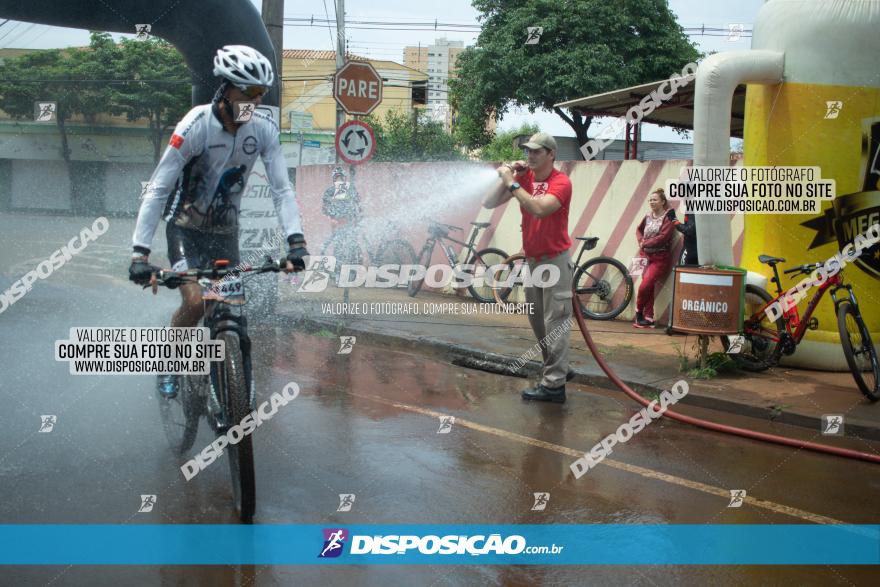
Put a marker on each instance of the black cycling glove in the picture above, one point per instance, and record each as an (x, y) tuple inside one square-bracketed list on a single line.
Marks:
[(140, 270), (297, 251)]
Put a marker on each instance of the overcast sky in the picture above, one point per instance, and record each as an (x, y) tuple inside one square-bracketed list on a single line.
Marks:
[(388, 44)]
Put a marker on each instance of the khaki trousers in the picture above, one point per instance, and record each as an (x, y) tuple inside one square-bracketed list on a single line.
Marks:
[(551, 319)]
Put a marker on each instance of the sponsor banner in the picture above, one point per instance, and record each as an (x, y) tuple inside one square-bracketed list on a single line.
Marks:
[(279, 544)]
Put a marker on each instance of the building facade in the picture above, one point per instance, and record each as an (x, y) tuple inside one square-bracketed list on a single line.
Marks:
[(307, 88), (439, 61)]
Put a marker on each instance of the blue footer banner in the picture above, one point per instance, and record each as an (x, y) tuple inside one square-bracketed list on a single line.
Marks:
[(614, 544)]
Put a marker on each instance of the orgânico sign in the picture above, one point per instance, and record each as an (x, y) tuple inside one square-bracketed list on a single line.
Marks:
[(357, 87)]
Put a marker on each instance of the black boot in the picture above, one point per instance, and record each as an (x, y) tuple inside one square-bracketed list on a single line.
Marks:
[(540, 393)]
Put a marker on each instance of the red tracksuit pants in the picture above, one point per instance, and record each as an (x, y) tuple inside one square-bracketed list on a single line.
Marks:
[(652, 280)]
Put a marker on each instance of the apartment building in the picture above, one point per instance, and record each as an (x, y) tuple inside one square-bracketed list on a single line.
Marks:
[(439, 62)]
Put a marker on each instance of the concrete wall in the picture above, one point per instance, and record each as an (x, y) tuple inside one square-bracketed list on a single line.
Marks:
[(609, 200), (108, 166)]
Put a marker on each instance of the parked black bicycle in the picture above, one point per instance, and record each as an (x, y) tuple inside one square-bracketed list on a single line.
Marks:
[(227, 395), (477, 261), (603, 285)]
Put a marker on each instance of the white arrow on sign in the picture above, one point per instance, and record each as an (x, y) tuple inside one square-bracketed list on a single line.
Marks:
[(355, 142)]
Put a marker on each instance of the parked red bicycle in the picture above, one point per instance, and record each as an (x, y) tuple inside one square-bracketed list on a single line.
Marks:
[(766, 340)]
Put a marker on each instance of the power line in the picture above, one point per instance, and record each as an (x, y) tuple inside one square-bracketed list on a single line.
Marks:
[(435, 24), (21, 34), (329, 30), (14, 26)]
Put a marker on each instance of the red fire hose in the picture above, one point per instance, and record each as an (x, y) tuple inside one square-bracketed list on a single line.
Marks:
[(823, 448)]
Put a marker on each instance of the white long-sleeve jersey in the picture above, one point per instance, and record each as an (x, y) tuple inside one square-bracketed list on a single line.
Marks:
[(200, 179)]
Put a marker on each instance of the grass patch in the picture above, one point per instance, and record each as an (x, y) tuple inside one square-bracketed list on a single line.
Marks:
[(717, 363)]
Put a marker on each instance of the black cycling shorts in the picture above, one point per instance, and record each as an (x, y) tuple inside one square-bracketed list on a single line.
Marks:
[(191, 249)]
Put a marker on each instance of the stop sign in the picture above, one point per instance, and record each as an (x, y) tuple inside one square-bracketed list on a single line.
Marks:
[(357, 87)]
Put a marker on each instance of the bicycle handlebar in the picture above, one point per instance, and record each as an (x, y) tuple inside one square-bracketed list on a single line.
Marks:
[(449, 226), (807, 268), (173, 279)]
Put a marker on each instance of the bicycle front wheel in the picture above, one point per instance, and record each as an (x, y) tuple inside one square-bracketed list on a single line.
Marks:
[(480, 262), (861, 356), (181, 414), (237, 405), (396, 252), (603, 288), (424, 261), (762, 336)]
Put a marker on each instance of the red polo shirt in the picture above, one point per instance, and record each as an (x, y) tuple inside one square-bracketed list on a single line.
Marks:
[(547, 235)]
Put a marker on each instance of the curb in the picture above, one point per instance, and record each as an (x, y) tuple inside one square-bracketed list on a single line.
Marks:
[(465, 356)]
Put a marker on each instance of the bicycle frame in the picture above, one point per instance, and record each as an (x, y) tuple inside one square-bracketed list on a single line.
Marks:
[(583, 249), (795, 326), (442, 238)]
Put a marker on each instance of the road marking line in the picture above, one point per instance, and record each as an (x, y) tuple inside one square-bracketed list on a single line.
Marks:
[(635, 469)]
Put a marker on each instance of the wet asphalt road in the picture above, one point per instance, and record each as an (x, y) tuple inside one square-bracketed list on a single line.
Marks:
[(366, 423)]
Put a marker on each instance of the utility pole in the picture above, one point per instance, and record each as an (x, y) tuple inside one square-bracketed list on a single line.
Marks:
[(340, 57), (273, 18)]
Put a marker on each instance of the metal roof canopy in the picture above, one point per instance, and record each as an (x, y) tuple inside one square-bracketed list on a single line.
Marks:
[(677, 112)]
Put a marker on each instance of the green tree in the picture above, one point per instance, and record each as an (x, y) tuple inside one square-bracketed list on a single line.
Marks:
[(63, 77), (501, 148), (587, 47), (402, 136), (158, 90)]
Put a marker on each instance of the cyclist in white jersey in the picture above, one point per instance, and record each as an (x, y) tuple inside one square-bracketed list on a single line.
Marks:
[(198, 184)]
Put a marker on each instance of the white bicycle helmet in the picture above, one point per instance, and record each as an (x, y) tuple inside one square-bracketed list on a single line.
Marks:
[(243, 66)]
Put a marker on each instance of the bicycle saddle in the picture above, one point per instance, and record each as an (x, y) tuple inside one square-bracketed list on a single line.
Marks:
[(770, 260), (482, 224), (589, 241)]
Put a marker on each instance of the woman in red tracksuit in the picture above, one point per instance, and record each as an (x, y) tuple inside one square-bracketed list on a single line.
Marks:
[(655, 234)]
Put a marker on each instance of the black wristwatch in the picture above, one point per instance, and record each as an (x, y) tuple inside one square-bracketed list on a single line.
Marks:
[(514, 186)]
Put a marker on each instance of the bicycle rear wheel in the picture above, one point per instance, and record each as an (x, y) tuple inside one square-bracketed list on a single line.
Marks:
[(861, 356), (396, 252), (237, 404), (762, 347), (603, 287), (180, 414), (480, 263), (424, 261)]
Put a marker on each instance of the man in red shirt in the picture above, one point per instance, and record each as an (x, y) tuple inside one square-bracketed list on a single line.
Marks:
[(544, 197)]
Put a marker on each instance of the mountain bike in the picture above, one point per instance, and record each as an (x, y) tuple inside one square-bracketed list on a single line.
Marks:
[(478, 261), (226, 395), (349, 243), (603, 285), (767, 340)]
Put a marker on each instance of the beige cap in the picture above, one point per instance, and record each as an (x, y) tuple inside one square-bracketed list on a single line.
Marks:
[(539, 140)]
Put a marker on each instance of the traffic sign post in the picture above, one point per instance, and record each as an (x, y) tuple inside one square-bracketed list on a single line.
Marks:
[(355, 142), (357, 87)]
